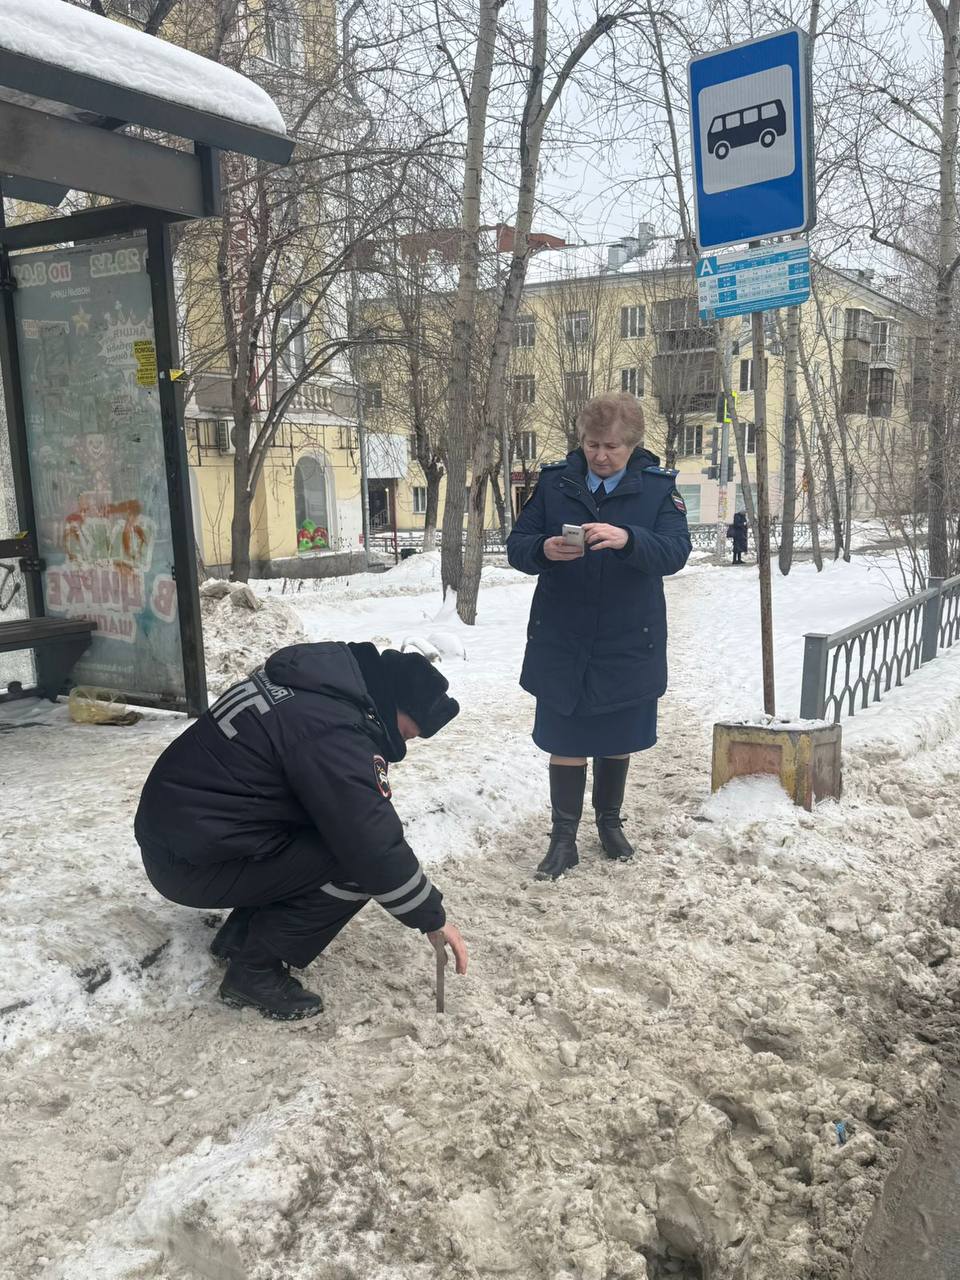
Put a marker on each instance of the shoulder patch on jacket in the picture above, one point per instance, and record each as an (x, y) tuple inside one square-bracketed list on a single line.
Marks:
[(380, 773), (660, 471), (678, 501)]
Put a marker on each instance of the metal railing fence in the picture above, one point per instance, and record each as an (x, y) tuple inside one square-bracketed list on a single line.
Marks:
[(847, 670)]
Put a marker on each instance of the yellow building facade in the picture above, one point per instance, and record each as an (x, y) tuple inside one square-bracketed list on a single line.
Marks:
[(590, 322)]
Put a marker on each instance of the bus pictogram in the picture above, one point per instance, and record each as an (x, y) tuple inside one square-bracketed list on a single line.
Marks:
[(763, 123)]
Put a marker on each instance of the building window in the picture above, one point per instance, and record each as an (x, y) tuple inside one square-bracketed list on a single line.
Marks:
[(885, 345), (633, 321), (690, 493), (524, 388), (858, 324), (347, 439), (292, 340), (310, 499), (525, 332), (739, 502), (689, 442), (575, 388), (528, 445), (278, 33), (419, 500), (751, 437), (373, 395), (677, 313), (881, 397), (747, 376), (632, 380), (855, 386), (576, 327)]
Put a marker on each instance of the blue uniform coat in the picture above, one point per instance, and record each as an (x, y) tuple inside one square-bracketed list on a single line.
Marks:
[(597, 636)]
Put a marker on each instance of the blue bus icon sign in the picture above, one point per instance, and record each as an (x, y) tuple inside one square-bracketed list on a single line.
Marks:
[(750, 119)]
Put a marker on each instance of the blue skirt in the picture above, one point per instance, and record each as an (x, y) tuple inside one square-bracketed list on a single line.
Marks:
[(614, 733)]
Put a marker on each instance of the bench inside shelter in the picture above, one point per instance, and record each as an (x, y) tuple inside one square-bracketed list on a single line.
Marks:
[(57, 642)]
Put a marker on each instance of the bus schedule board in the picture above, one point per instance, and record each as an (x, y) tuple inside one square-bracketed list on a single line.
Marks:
[(748, 280), (751, 122)]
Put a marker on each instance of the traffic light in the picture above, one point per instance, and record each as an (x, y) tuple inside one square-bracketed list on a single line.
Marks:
[(713, 471)]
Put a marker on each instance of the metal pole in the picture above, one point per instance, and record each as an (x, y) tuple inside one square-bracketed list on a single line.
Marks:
[(763, 516), (160, 269), (364, 485), (931, 621), (724, 450), (17, 422), (813, 685)]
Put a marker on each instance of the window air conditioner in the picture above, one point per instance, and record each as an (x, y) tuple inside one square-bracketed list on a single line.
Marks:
[(225, 437)]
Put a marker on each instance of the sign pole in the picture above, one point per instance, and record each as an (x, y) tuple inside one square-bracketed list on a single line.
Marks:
[(722, 474), (763, 514)]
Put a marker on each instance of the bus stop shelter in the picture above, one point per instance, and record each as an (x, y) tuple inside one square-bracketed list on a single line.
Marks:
[(88, 338)]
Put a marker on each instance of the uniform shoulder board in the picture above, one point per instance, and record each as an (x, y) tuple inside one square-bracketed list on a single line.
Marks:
[(661, 471), (552, 466)]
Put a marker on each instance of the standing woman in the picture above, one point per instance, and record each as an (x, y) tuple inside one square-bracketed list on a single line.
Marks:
[(596, 657)]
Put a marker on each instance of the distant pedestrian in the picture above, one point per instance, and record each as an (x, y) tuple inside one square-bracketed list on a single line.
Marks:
[(738, 532), (596, 657)]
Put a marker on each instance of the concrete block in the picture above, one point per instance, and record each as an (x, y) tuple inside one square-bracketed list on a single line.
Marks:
[(805, 757)]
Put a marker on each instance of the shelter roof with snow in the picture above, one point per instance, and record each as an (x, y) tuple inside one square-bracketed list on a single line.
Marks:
[(72, 81)]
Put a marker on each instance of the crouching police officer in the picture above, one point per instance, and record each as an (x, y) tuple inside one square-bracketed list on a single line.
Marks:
[(276, 802)]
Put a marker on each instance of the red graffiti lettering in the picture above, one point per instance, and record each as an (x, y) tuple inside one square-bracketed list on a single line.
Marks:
[(164, 602)]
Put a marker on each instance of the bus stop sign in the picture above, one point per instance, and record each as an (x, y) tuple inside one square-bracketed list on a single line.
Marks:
[(751, 125)]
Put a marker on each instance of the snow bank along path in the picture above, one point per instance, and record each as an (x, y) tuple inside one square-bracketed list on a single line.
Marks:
[(641, 1076)]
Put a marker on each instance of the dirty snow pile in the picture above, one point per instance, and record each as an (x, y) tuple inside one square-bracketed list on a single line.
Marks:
[(241, 630), (647, 1072)]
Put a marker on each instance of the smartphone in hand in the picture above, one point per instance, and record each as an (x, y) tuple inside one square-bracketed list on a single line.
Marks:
[(573, 535)]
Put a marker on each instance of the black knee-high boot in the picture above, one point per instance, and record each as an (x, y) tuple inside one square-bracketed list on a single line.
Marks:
[(609, 781), (567, 785)]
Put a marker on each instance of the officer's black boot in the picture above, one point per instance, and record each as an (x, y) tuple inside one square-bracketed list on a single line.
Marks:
[(567, 785), (256, 981), (609, 781), (232, 934)]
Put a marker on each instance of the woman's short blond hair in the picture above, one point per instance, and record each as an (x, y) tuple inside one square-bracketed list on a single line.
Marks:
[(614, 409)]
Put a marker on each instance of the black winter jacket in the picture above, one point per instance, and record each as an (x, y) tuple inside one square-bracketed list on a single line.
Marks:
[(297, 745), (597, 637)]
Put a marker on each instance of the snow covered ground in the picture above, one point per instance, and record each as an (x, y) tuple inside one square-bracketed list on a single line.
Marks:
[(641, 1075)]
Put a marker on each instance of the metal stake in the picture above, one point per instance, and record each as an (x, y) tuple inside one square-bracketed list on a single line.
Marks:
[(441, 950)]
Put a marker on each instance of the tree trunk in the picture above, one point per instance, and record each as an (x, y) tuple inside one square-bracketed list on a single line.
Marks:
[(938, 543), (816, 408), (473, 551), (465, 307), (432, 474), (499, 505), (240, 523), (813, 514), (789, 496)]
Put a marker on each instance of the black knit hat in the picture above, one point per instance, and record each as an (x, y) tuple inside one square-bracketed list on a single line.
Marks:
[(406, 681), (420, 690)]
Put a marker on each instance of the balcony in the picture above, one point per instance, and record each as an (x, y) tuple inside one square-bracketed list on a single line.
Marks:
[(886, 353)]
